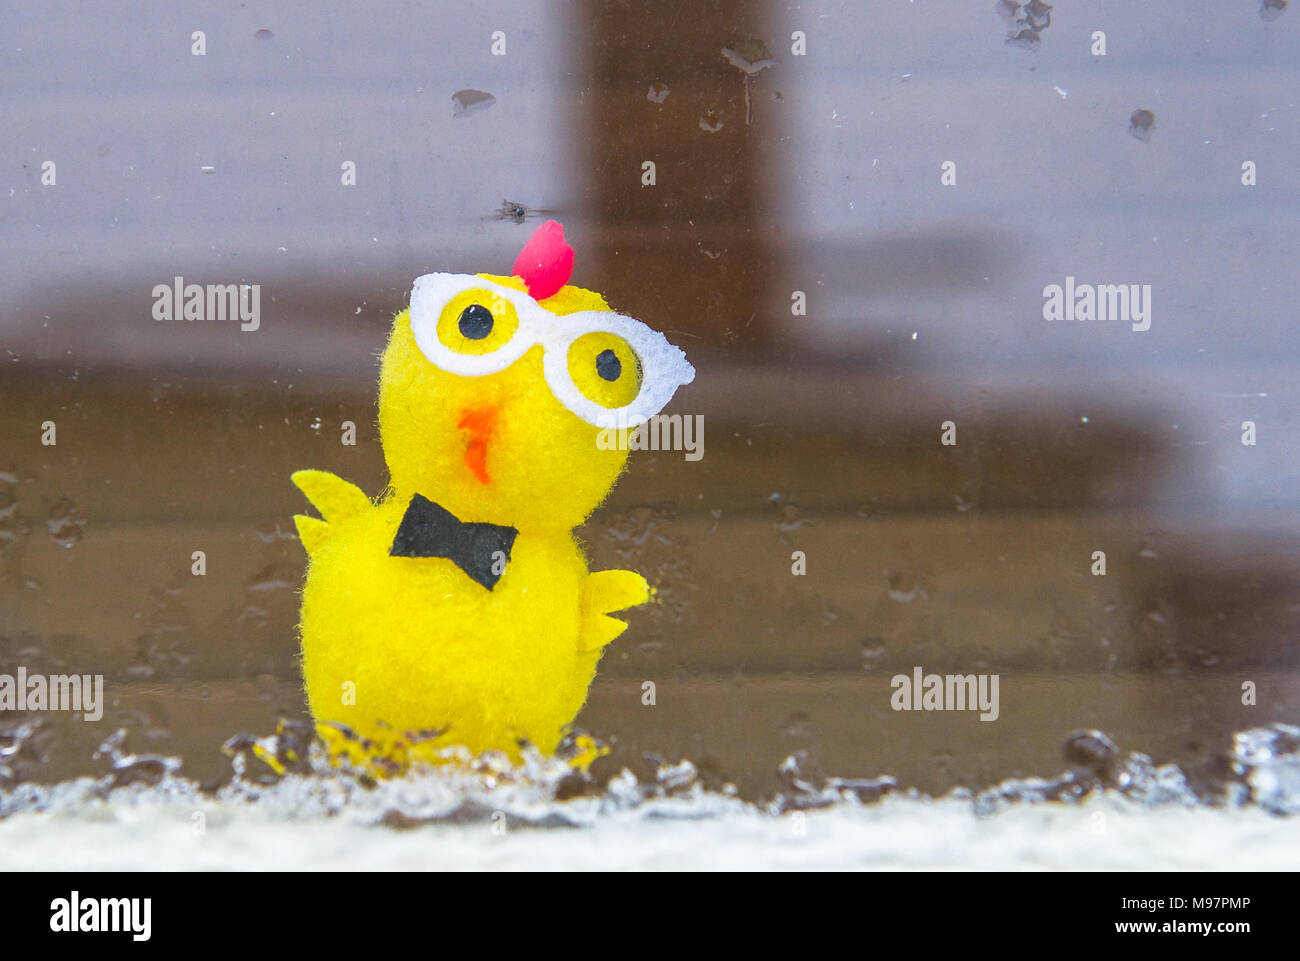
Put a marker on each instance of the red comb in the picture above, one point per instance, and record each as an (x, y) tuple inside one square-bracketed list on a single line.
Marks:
[(546, 262)]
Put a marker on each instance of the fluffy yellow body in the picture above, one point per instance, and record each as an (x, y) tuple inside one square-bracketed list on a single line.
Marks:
[(413, 642)]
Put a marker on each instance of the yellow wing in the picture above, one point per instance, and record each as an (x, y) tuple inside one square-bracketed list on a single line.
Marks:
[(604, 592), (335, 498)]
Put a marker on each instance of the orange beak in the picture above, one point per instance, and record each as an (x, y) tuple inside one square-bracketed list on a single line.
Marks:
[(479, 422)]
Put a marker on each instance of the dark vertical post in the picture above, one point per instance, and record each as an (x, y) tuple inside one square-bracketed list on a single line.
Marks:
[(689, 251)]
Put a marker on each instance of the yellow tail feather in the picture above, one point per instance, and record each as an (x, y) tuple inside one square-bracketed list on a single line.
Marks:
[(312, 531), (604, 592), (330, 494)]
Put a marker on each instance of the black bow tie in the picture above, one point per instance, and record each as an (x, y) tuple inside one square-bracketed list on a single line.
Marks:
[(430, 530)]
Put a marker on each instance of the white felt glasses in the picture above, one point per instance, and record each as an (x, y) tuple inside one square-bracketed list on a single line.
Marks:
[(607, 368)]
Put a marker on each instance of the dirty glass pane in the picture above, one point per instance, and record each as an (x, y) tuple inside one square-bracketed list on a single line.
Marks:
[(983, 497)]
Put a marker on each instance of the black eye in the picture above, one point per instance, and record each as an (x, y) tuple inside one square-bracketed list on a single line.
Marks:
[(608, 365), (475, 322)]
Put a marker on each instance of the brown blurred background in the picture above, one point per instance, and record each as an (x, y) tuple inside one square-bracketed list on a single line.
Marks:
[(775, 172)]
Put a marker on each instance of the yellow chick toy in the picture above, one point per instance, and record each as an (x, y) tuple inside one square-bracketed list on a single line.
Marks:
[(459, 598)]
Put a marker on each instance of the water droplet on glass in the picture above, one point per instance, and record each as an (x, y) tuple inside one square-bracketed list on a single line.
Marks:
[(904, 587), (710, 123), (1038, 14), (873, 651), (65, 523), (1093, 751), (792, 515), (751, 57), (467, 102), (1026, 39), (1025, 23), (1141, 124), (1272, 9)]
